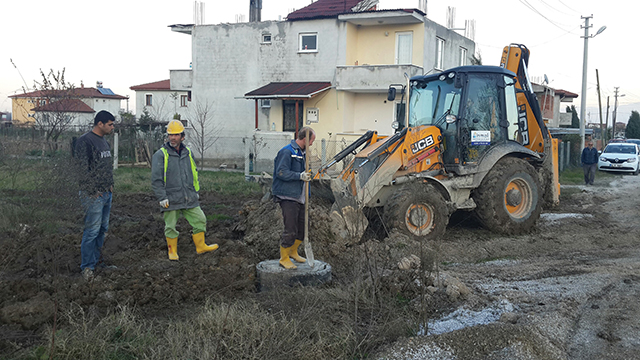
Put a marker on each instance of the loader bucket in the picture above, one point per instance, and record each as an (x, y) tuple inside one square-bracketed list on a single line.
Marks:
[(350, 220)]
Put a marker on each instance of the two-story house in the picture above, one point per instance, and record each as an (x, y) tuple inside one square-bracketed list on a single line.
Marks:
[(553, 103), (79, 104), (328, 65), (160, 102)]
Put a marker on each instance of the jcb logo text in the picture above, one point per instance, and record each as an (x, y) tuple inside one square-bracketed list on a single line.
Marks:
[(422, 144)]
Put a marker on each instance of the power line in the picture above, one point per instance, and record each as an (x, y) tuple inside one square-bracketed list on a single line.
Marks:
[(560, 1), (551, 7), (532, 8)]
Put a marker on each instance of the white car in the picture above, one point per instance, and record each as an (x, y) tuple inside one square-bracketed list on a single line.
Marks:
[(620, 157)]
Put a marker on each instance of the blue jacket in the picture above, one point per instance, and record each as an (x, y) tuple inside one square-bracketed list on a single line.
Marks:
[(287, 166), (589, 156)]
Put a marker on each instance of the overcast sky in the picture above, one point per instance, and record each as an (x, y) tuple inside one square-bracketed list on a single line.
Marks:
[(127, 42)]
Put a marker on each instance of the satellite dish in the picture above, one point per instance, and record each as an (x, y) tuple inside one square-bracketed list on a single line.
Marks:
[(546, 79)]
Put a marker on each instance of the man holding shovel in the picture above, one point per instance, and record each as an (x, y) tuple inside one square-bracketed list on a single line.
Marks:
[(289, 175)]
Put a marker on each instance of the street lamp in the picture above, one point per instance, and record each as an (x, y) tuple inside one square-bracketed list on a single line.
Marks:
[(583, 96)]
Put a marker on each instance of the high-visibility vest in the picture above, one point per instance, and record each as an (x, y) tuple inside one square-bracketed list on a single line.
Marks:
[(196, 183)]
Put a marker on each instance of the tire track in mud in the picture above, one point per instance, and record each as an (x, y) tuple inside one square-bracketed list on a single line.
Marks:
[(607, 326)]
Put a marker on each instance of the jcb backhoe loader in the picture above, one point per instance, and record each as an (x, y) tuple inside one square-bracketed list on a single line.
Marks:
[(472, 138)]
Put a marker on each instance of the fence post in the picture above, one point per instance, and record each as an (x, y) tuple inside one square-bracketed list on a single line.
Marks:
[(115, 151), (323, 156), (568, 153), (561, 156), (247, 151)]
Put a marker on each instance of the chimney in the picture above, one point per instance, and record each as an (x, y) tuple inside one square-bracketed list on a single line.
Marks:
[(98, 84), (255, 10)]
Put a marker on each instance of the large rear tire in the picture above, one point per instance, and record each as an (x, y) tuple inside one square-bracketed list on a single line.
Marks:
[(509, 199), (417, 210)]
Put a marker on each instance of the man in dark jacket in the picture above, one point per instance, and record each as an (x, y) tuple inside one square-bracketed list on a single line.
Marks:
[(589, 161), (174, 179), (289, 176), (95, 169)]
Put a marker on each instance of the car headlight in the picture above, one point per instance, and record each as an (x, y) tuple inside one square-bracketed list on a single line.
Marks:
[(632, 160), (603, 159)]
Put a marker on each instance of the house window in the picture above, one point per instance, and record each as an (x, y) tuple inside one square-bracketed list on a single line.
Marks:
[(463, 56), (308, 42), (43, 102), (148, 100), (266, 38), (439, 54), (183, 100), (404, 47), (265, 103)]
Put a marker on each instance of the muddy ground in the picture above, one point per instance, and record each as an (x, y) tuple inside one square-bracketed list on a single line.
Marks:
[(567, 290)]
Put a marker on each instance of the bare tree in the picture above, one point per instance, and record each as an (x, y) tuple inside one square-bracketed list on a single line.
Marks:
[(159, 111), (56, 105), (206, 131)]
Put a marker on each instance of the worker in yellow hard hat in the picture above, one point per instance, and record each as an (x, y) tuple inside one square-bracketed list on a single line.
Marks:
[(174, 179)]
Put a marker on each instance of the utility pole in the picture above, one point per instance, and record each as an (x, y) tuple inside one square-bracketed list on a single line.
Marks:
[(606, 125), (600, 108), (615, 109), (583, 96)]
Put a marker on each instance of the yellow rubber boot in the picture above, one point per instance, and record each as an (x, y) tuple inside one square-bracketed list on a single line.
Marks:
[(172, 245), (285, 262), (293, 253), (201, 247)]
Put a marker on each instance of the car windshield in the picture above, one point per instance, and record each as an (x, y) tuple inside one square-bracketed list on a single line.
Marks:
[(431, 101), (620, 149)]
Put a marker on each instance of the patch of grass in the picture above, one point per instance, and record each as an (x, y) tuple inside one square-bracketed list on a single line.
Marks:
[(227, 183), (575, 176), (293, 323), (132, 180), (136, 180)]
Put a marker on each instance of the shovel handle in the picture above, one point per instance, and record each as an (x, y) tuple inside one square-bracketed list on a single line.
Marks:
[(306, 188)]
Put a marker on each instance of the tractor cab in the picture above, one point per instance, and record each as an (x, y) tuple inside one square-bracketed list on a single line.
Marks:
[(474, 107)]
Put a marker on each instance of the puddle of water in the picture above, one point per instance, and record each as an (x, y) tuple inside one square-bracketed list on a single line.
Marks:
[(463, 318), (551, 217)]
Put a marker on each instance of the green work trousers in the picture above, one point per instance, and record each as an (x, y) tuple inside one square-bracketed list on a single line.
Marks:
[(195, 216)]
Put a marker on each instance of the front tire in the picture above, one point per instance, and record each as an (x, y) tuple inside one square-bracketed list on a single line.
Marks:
[(417, 210), (509, 199)]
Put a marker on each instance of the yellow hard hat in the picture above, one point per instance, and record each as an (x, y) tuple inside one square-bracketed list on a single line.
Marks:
[(175, 127)]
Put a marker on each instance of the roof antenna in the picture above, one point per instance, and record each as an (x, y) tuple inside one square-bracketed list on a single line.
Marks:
[(25, 83)]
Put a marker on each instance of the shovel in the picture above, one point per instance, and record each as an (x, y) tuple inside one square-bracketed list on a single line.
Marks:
[(307, 245)]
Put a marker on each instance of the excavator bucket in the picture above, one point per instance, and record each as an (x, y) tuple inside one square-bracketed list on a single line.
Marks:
[(349, 220)]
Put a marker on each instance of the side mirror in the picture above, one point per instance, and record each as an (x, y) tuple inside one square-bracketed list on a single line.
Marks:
[(599, 152), (391, 94)]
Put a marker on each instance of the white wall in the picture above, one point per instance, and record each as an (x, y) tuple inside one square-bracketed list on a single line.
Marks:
[(163, 104), (230, 61)]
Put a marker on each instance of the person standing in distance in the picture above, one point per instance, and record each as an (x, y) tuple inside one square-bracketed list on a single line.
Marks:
[(589, 161), (95, 169), (288, 190), (174, 180)]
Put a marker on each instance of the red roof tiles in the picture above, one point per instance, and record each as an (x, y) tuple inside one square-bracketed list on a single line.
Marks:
[(76, 92), (158, 85), (324, 9), (65, 105)]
